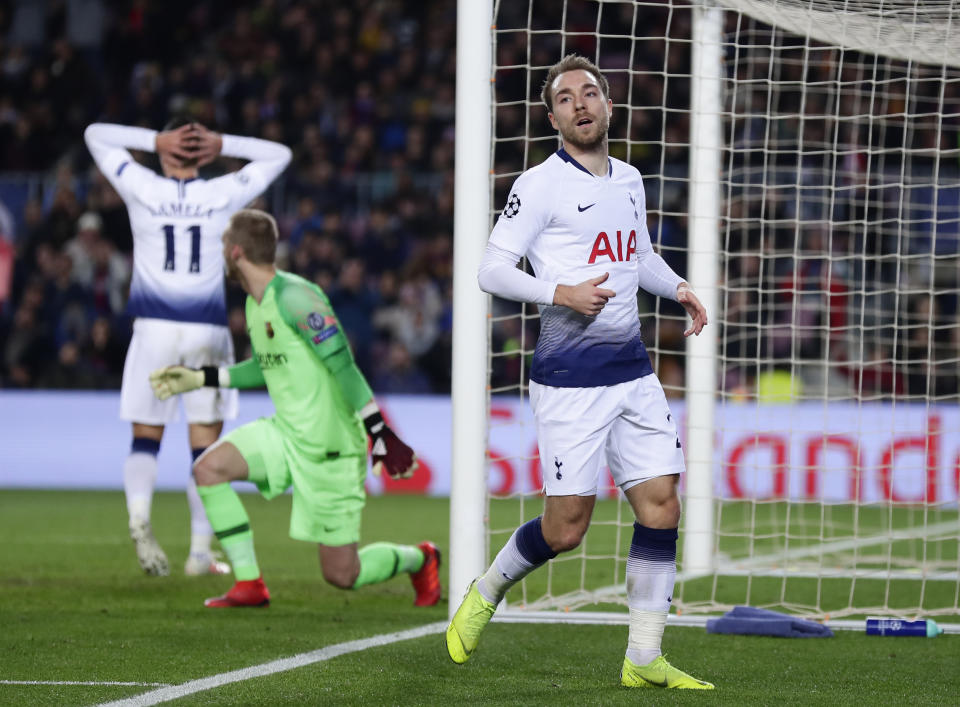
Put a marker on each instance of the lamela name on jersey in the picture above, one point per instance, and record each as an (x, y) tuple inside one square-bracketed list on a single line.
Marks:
[(182, 209)]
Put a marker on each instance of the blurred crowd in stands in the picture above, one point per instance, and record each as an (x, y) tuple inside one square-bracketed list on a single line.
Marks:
[(362, 92), (840, 232)]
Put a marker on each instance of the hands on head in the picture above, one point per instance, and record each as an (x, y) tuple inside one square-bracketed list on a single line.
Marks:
[(190, 145)]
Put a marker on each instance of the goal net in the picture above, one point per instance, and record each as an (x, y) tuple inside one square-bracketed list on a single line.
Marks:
[(802, 158)]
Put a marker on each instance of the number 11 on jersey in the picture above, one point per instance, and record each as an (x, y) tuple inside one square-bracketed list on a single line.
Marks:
[(169, 262)]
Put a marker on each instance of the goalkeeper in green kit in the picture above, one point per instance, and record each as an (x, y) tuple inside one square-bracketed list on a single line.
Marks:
[(316, 441)]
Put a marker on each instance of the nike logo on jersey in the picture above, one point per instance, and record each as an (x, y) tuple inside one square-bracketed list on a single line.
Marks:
[(581, 209)]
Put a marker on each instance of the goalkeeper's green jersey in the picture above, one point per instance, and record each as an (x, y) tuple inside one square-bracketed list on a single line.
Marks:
[(302, 354)]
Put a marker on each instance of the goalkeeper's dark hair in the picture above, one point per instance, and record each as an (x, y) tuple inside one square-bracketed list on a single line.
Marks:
[(256, 232), (572, 62)]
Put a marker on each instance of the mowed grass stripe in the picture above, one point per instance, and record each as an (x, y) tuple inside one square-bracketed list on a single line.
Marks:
[(175, 692)]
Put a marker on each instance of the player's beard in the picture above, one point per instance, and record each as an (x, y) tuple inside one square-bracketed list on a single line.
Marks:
[(598, 136)]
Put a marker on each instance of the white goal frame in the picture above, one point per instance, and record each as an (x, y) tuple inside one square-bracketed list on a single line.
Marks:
[(471, 228)]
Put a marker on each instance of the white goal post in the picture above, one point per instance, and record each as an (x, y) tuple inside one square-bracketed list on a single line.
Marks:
[(802, 166), (468, 485)]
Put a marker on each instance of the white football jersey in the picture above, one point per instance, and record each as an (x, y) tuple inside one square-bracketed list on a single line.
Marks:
[(177, 223), (573, 226)]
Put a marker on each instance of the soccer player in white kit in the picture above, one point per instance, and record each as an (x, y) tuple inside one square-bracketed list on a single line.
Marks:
[(580, 217), (177, 298)]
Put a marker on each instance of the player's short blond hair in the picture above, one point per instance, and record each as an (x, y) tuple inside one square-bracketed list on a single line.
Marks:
[(571, 62), (256, 232)]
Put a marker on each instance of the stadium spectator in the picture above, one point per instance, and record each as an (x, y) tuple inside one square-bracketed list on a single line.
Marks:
[(355, 302), (80, 248), (396, 373)]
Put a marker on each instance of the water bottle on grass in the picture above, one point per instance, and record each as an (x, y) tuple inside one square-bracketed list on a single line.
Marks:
[(886, 626)]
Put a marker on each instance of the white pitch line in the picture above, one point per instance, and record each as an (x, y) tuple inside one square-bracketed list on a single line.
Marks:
[(174, 692), (84, 682)]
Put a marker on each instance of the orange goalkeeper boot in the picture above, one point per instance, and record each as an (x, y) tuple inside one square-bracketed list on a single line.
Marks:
[(426, 580), (251, 592)]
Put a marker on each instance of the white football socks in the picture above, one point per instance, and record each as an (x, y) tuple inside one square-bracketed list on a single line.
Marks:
[(651, 573), (201, 534), (508, 568), (646, 632), (524, 552), (139, 477)]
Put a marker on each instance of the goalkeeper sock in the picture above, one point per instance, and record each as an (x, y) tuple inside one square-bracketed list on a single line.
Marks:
[(200, 531), (232, 527), (651, 571), (524, 552), (381, 561), (139, 477)]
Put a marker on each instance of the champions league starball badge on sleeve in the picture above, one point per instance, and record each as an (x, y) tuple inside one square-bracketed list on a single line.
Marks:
[(513, 206)]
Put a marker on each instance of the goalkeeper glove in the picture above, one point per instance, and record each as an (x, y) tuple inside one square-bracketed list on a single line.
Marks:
[(174, 380), (388, 451)]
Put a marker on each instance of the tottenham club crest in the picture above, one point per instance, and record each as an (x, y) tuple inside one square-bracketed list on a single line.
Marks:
[(513, 206)]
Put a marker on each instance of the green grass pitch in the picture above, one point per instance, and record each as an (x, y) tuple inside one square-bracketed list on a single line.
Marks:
[(74, 606)]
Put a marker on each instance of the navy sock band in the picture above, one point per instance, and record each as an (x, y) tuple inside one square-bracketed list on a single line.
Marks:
[(197, 451), (531, 544), (654, 543), (145, 445)]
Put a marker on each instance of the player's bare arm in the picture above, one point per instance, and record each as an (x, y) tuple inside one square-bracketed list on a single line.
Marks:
[(587, 298), (694, 307)]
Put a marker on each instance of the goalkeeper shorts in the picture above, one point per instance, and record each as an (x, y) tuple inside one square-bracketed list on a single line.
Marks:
[(328, 493), (628, 425)]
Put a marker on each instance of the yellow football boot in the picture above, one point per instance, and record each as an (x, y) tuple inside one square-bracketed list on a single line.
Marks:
[(468, 623), (659, 673)]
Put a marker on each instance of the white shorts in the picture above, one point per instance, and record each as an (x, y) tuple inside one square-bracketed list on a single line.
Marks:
[(628, 425), (157, 343)]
